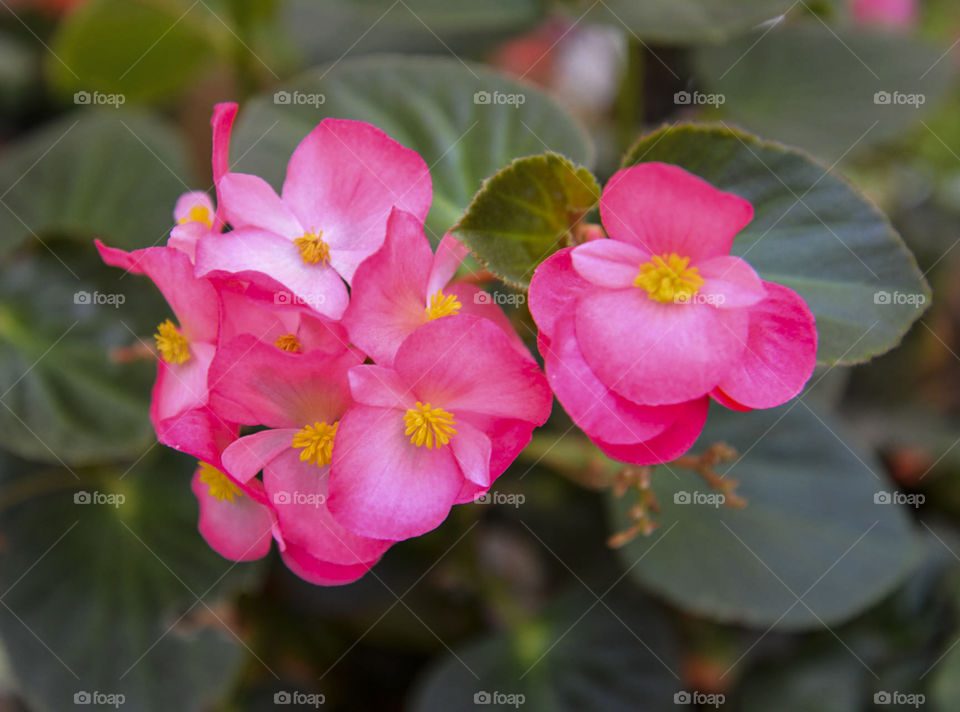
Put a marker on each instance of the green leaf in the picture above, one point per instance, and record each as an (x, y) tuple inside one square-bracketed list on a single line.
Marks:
[(811, 529), (524, 213), (817, 87), (140, 49), (812, 232), (616, 655), (827, 681), (64, 400), (95, 173), (426, 104), (103, 596), (687, 21)]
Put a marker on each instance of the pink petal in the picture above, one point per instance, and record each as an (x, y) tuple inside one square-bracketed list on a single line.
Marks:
[(471, 447), (382, 485), (379, 387), (191, 199), (479, 303), (245, 458), (664, 209), (670, 444), (222, 124), (344, 178), (237, 530), (322, 573), (656, 354), (249, 201), (781, 352), (185, 237), (554, 290), (730, 283), (450, 254), (181, 387), (608, 263), (198, 432)]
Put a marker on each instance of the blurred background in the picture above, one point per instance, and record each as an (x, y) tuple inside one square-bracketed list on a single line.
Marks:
[(836, 589)]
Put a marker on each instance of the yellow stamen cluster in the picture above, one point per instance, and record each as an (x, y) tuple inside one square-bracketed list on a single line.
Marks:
[(219, 485), (172, 345), (197, 213), (317, 443), (429, 426), (442, 305), (668, 279), (289, 343), (312, 248)]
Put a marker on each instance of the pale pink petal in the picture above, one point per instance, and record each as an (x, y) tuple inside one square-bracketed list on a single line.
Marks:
[(185, 237), (471, 447), (238, 530), (608, 263), (730, 283), (656, 354), (245, 458), (670, 444), (554, 290), (450, 254), (181, 387), (781, 352), (663, 209), (479, 303), (380, 387), (189, 200), (249, 201)]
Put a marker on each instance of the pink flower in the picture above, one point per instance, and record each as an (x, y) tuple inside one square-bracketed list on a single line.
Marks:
[(405, 285), (893, 14), (301, 399), (637, 330), (436, 429), (342, 182)]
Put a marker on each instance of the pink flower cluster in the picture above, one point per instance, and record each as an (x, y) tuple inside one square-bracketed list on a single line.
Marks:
[(339, 390), (342, 391)]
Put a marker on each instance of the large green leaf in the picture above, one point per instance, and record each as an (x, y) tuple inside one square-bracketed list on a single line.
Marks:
[(140, 49), (102, 597), (94, 173), (614, 655), (686, 21), (812, 528), (812, 232), (62, 398), (427, 104), (525, 212), (818, 88)]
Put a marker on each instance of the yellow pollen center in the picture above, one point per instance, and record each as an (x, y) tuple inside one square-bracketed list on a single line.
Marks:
[(312, 248), (289, 343), (442, 305), (429, 426), (197, 213), (218, 484), (317, 443), (668, 279), (171, 344)]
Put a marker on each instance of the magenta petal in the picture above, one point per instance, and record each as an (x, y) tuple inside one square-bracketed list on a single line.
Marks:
[(321, 573), (608, 263), (222, 124), (198, 432), (554, 290), (664, 209), (450, 254), (249, 201), (379, 387), (730, 283), (248, 455), (781, 352), (670, 444), (298, 491), (471, 447), (238, 530), (656, 354), (382, 485)]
